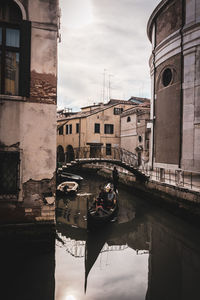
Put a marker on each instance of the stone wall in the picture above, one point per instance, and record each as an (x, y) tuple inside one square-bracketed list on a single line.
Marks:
[(169, 20), (168, 113)]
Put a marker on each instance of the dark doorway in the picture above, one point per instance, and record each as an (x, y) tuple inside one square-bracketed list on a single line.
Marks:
[(69, 153), (60, 154), (95, 150)]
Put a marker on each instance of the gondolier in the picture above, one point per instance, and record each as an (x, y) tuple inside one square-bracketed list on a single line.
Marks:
[(99, 215), (115, 176)]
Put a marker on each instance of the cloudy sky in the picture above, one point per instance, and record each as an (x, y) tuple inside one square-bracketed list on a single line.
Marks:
[(104, 51)]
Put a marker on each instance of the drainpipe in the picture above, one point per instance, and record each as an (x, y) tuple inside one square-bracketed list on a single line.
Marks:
[(154, 91), (182, 81), (79, 137)]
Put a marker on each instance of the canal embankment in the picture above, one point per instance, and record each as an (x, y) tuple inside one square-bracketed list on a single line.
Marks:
[(178, 200)]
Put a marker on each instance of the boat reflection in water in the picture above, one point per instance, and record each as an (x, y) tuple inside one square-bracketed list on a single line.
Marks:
[(120, 240), (147, 254)]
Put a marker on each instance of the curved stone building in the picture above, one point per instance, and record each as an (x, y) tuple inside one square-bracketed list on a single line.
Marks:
[(174, 31)]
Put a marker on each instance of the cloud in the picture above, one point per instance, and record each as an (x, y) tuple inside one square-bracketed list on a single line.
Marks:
[(108, 35)]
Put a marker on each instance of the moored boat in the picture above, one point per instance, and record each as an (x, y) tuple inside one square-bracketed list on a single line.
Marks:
[(65, 176), (68, 187)]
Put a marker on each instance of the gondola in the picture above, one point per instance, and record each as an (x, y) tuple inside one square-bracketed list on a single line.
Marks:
[(99, 218)]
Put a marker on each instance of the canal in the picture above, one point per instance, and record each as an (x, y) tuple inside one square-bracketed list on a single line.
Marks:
[(146, 254)]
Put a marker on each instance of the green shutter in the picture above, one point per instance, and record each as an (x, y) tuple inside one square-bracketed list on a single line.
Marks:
[(25, 56)]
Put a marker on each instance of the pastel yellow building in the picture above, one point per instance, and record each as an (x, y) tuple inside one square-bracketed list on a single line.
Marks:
[(95, 128)]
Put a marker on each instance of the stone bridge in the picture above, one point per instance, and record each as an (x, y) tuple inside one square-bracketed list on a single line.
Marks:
[(116, 156)]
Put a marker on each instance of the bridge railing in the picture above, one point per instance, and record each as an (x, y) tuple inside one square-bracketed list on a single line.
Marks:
[(108, 153)]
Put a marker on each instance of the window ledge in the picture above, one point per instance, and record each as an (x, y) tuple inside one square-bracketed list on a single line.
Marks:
[(12, 98)]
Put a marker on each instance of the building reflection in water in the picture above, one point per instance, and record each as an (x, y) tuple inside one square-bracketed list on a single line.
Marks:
[(89, 264), (148, 254)]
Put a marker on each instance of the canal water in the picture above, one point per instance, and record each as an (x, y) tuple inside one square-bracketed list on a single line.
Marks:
[(146, 254)]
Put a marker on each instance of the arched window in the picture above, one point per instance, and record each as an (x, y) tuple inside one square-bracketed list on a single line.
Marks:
[(128, 119), (60, 154), (14, 50)]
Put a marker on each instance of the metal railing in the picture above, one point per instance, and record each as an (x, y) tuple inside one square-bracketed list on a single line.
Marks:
[(181, 178), (111, 153)]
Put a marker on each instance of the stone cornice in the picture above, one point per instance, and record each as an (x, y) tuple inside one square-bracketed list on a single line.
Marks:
[(160, 6)]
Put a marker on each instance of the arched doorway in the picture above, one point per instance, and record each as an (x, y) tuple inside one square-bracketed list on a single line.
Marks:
[(69, 153), (60, 154)]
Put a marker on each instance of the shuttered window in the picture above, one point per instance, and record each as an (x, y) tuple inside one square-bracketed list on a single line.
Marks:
[(15, 40)]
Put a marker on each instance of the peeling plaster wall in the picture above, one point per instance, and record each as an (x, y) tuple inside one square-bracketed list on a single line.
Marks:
[(33, 126), (30, 122)]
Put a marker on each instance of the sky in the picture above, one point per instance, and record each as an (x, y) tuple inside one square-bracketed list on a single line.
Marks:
[(104, 51)]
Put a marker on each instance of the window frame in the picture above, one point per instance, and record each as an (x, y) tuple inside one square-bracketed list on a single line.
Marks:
[(108, 149), (4, 48), (118, 110), (97, 128), (69, 129), (77, 127), (110, 130), (60, 130)]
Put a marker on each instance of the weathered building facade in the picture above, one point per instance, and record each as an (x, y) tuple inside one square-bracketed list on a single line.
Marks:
[(174, 31), (96, 128), (135, 135), (28, 92)]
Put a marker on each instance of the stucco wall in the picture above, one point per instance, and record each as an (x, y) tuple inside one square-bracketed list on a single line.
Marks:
[(87, 134), (179, 50), (29, 123), (168, 113), (169, 20), (26, 124), (129, 133)]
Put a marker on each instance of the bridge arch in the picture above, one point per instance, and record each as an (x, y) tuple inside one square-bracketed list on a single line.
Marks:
[(119, 157)]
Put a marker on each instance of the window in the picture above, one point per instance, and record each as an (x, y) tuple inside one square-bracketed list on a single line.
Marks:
[(147, 144), (108, 128), (118, 110), (128, 119), (60, 130), (96, 128), (9, 172), (69, 129), (167, 77), (140, 138), (77, 127), (14, 51), (108, 149)]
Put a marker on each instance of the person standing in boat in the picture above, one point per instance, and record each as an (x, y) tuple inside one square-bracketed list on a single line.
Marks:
[(111, 197), (115, 176)]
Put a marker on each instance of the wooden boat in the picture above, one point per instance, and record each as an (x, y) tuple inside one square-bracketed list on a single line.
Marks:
[(96, 218), (68, 187), (64, 176)]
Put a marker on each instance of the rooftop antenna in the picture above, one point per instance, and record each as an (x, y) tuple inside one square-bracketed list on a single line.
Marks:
[(109, 86), (104, 81)]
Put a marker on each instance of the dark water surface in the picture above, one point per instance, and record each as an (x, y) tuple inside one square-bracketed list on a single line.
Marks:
[(146, 254)]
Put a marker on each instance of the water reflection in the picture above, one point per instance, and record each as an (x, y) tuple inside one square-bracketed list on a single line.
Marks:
[(146, 254)]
